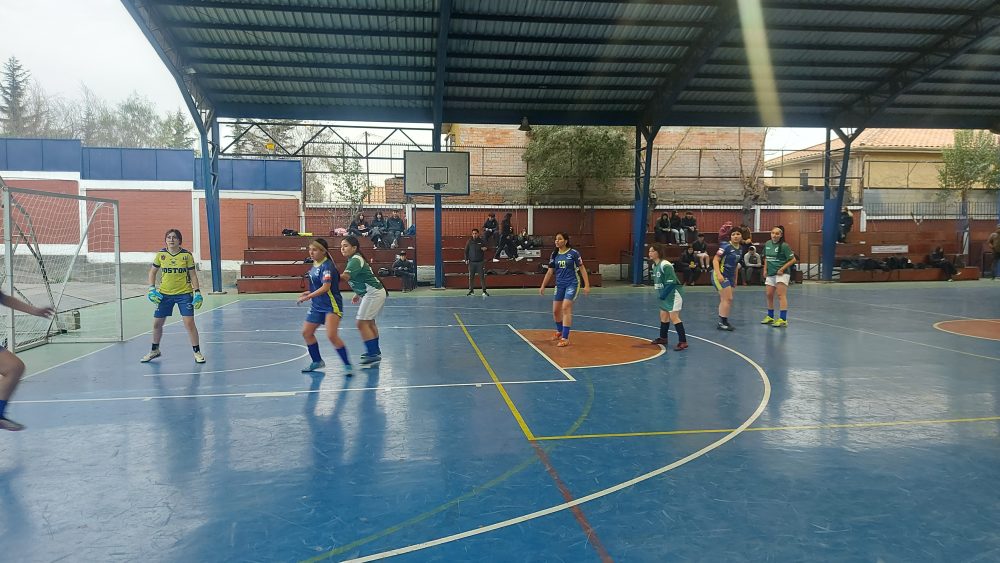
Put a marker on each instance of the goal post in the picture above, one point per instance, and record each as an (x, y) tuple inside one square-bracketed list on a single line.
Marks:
[(60, 251)]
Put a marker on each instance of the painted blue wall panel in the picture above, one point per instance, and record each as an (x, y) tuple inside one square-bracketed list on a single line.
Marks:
[(249, 175), (174, 165), (226, 173), (62, 155), (43, 155), (102, 164), (138, 164), (283, 175)]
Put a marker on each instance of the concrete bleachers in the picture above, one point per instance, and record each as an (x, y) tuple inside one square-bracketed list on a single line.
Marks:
[(276, 264), (509, 273)]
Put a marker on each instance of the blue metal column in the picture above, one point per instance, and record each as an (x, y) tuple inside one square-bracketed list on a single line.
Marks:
[(212, 209), (438, 258), (833, 202), (440, 69), (641, 208)]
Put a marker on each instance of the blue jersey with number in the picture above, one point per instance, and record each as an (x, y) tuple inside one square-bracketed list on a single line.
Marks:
[(322, 273), (567, 267), (729, 258)]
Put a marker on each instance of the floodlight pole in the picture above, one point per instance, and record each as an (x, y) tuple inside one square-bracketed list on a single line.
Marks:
[(640, 210)]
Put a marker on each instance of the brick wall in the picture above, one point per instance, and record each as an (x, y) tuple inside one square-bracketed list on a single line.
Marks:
[(145, 215)]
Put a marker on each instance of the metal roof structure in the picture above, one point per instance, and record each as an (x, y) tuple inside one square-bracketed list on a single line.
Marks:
[(816, 63)]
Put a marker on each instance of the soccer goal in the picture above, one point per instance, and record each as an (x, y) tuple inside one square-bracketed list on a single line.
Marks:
[(60, 251)]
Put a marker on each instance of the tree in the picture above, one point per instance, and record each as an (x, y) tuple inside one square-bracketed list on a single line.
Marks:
[(14, 86), (176, 131), (350, 184), (971, 161), (136, 122), (579, 162)]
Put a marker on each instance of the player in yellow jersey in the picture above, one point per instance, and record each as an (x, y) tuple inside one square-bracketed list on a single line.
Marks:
[(178, 285)]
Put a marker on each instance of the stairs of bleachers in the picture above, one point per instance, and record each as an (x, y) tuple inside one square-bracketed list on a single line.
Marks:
[(276, 264), (510, 273)]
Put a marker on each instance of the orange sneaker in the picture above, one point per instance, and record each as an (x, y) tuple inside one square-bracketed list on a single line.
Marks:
[(556, 337), (562, 343)]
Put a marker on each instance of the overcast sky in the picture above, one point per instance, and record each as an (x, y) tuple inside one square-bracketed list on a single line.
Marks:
[(67, 43)]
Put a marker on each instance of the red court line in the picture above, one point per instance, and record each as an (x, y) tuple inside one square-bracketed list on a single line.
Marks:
[(577, 511)]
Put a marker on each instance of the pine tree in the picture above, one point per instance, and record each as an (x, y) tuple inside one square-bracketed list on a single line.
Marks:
[(176, 131), (14, 86)]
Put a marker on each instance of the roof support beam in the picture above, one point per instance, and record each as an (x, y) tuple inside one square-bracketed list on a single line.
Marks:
[(939, 55), (712, 35)]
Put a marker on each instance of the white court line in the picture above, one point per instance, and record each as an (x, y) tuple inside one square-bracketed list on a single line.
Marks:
[(542, 354), (297, 330), (938, 327), (67, 362), (800, 320), (853, 302), (603, 492), (285, 393), (230, 370), (198, 314)]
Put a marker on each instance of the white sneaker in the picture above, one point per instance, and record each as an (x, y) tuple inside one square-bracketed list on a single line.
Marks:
[(152, 355), (199, 358)]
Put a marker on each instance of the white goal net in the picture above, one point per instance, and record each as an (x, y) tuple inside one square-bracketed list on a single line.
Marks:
[(60, 251)]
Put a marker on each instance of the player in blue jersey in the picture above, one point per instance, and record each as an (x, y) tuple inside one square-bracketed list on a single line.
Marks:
[(178, 286), (327, 306), (724, 266), (567, 264), (11, 367), (669, 294), (370, 293)]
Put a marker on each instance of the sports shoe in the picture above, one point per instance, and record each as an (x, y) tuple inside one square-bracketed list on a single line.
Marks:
[(724, 326), (199, 358), (658, 341), (681, 346), (348, 370), (314, 366), (767, 320), (8, 424), (556, 337), (781, 323), (485, 293), (519, 258), (371, 361), (470, 293), (562, 343), (152, 355)]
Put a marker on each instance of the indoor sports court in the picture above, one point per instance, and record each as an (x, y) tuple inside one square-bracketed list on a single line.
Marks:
[(865, 431)]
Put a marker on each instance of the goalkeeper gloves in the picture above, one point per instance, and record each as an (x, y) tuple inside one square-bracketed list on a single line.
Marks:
[(154, 295), (197, 299)]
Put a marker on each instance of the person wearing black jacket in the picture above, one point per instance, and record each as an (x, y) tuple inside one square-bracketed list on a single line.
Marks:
[(677, 228), (490, 227), (394, 227), (406, 270), (661, 231), (846, 222), (507, 244), (475, 253)]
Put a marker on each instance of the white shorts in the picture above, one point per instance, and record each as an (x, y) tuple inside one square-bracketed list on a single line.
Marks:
[(776, 279), (371, 304)]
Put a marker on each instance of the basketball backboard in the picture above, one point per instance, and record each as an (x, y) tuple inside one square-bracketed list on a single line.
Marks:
[(434, 173)]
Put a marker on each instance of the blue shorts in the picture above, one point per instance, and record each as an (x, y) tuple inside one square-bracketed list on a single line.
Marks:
[(566, 292), (318, 315), (184, 303), (726, 281)]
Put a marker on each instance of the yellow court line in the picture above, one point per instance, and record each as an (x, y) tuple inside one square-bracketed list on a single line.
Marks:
[(496, 380), (774, 428)]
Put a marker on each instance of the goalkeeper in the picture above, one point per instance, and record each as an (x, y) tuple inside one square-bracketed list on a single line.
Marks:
[(178, 285)]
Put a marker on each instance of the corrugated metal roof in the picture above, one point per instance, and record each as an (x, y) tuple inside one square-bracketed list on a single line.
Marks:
[(919, 63)]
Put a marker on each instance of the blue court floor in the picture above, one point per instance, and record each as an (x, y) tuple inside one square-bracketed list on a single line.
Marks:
[(865, 431)]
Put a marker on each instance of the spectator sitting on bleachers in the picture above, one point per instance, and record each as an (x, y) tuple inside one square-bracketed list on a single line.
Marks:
[(359, 227), (661, 230), (525, 241), (752, 265), (677, 228), (846, 222), (490, 227), (690, 225), (378, 230), (690, 265), (406, 270), (507, 245), (937, 259), (394, 228), (701, 250)]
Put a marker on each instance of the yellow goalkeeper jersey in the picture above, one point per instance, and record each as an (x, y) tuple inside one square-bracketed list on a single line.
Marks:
[(175, 271)]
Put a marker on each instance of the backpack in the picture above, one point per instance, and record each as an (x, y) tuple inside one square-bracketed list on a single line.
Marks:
[(724, 231)]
